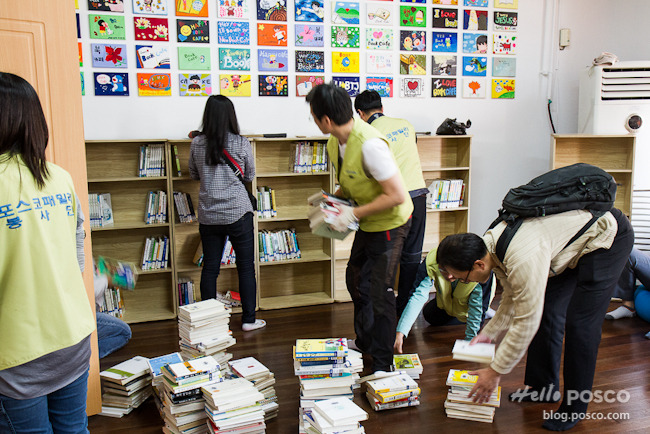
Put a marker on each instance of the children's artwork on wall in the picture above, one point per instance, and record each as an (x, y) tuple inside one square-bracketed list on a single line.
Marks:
[(83, 83), (194, 84), (504, 44), (379, 39), (443, 87), (149, 7), (475, 66), (345, 37), (310, 61), (191, 8), (475, 43), (81, 57), (379, 63), (475, 20), (194, 58), (154, 84), (106, 26), (273, 85), (445, 18), (474, 88), (345, 12), (152, 56), (505, 21), (310, 10), (445, 2), (506, 4), (305, 83), (310, 35), (413, 64), (412, 87), (412, 40), (235, 59), (235, 85), (444, 42), (504, 66), (111, 83), (383, 85), (108, 55), (345, 61), (150, 29), (233, 33), (378, 13), (233, 9), (443, 64), (193, 31), (106, 5), (351, 85), (413, 16), (476, 3), (78, 27), (272, 34), (503, 88), (272, 60), (271, 10)]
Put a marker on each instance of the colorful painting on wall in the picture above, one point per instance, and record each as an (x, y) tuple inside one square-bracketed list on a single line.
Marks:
[(106, 5), (345, 12), (503, 88), (152, 56), (310, 61), (149, 7), (150, 29), (345, 61), (305, 83), (310, 10), (412, 40), (81, 56), (310, 35), (443, 87), (475, 43), (506, 4), (476, 3), (379, 39), (474, 88), (235, 85), (191, 8), (378, 14), (235, 59), (505, 21), (412, 87), (272, 34), (350, 84), (272, 60), (233, 33), (504, 66), (197, 31), (154, 84), (444, 42), (194, 84), (379, 63), (475, 19), (504, 44), (106, 26), (444, 18), (111, 83), (345, 37), (413, 16), (271, 10), (445, 2), (413, 64), (474, 66), (194, 58), (83, 83), (443, 64), (273, 85), (108, 55), (233, 9), (383, 85)]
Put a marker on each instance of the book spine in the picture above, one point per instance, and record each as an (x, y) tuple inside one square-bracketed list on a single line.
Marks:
[(178, 161), (397, 396), (193, 217)]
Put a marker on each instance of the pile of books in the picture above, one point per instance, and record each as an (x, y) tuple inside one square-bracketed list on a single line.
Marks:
[(266, 206), (278, 245), (323, 212), (204, 329), (233, 406), (125, 386), (310, 158), (409, 363), (459, 406), (336, 415), (479, 352), (445, 193), (184, 207), (156, 253), (152, 160), (263, 380), (392, 390), (156, 207), (101, 210)]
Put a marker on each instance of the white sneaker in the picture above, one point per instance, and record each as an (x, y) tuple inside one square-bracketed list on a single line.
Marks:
[(620, 312), (489, 313), (250, 326)]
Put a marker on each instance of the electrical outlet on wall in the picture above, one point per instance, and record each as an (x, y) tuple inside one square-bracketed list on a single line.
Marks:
[(565, 38)]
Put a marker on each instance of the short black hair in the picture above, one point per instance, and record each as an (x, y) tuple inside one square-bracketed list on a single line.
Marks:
[(368, 100), (482, 39), (460, 251), (332, 101)]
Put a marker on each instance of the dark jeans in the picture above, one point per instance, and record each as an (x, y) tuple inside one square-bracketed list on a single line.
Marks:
[(411, 253), (112, 334), (370, 277), (574, 308), (242, 238), (636, 267)]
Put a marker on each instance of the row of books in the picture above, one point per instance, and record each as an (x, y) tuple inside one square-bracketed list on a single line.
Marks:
[(156, 253), (278, 245), (310, 157), (185, 291), (459, 406), (111, 303), (266, 205), (101, 210), (324, 211), (152, 160), (156, 207), (445, 193), (184, 207), (228, 256)]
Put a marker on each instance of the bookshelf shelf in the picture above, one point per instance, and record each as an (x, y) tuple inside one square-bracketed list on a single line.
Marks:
[(460, 208), (121, 227)]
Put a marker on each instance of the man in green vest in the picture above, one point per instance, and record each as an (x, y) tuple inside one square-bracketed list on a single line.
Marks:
[(402, 142), (368, 174)]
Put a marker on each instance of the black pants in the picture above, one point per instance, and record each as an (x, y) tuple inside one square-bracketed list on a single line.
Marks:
[(370, 277), (574, 306), (411, 253)]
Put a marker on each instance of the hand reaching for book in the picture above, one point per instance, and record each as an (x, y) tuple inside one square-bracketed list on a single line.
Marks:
[(344, 218), (399, 341)]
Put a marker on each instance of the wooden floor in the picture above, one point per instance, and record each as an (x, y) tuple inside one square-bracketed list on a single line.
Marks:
[(623, 364)]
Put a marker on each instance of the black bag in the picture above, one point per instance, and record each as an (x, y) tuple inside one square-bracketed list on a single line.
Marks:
[(579, 186), (237, 169), (449, 127)]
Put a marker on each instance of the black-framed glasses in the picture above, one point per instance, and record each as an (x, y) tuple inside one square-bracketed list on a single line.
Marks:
[(466, 279), (451, 277)]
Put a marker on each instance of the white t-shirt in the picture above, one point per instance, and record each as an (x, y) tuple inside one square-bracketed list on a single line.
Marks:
[(377, 159)]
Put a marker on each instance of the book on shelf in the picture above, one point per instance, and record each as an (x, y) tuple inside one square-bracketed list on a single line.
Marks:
[(184, 207), (177, 160), (100, 210), (478, 352), (152, 160), (278, 245), (185, 291), (156, 211), (445, 193), (111, 303), (309, 157), (155, 254), (266, 206)]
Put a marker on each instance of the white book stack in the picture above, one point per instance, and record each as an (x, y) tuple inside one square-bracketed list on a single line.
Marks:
[(125, 386), (234, 406), (393, 391), (337, 415), (459, 406), (204, 329), (263, 380), (480, 352)]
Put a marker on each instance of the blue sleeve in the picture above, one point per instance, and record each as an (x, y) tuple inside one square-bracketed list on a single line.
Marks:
[(414, 306), (474, 312)]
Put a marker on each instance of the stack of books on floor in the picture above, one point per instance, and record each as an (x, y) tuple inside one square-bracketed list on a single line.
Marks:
[(409, 363), (392, 391), (337, 415), (263, 380), (182, 405), (204, 329), (479, 352), (324, 211), (125, 386), (233, 406), (459, 406)]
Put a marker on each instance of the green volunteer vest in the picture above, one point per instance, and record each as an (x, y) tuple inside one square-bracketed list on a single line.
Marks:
[(356, 185), (455, 304), (43, 303), (401, 139)]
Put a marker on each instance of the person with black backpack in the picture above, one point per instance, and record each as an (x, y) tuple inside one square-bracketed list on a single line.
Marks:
[(558, 273)]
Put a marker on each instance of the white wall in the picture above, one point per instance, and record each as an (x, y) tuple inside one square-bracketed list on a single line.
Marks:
[(511, 137)]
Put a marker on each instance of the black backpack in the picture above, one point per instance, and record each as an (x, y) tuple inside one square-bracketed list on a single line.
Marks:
[(579, 186)]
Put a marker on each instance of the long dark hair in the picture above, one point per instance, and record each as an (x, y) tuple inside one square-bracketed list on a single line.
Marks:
[(219, 119), (23, 130)]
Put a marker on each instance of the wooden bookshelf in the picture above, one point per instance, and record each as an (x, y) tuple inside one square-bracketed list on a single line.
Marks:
[(612, 153)]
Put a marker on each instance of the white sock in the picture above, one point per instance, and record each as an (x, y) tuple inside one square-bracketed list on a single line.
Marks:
[(620, 312), (250, 326)]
